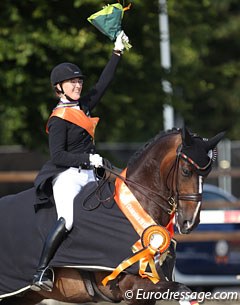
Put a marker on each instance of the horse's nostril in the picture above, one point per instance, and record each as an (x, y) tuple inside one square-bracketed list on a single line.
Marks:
[(187, 224)]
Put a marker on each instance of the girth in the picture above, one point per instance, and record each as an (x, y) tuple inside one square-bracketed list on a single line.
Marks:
[(92, 288)]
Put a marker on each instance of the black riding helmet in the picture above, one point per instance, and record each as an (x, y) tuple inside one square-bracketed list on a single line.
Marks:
[(65, 71)]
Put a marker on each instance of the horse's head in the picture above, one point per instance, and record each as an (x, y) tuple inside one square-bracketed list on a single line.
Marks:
[(194, 160), (167, 174)]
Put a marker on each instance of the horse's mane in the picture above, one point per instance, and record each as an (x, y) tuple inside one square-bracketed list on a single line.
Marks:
[(135, 157)]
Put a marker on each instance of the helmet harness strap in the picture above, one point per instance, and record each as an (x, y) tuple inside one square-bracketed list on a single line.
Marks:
[(62, 92)]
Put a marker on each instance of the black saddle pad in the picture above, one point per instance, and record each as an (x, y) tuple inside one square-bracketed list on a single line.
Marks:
[(100, 239)]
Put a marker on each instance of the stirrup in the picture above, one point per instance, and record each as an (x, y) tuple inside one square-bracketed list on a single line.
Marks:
[(43, 280)]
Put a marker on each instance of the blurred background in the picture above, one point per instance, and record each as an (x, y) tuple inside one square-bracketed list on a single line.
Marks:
[(185, 58), (183, 68)]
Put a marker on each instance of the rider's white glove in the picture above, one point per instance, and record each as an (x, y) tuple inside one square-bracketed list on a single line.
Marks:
[(121, 40), (96, 160)]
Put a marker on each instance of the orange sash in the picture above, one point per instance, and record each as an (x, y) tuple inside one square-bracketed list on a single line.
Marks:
[(77, 117), (141, 221), (132, 209)]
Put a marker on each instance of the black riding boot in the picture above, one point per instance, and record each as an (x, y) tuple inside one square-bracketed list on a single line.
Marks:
[(44, 277)]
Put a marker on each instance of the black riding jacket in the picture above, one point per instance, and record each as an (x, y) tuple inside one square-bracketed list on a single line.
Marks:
[(69, 144)]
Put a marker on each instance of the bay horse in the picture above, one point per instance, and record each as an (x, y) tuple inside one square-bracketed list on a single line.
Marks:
[(166, 177)]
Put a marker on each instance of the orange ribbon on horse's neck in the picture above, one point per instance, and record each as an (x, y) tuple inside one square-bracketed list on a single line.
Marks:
[(140, 220), (133, 210)]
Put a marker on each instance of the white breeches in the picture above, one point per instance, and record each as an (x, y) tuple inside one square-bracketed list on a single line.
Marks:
[(66, 186)]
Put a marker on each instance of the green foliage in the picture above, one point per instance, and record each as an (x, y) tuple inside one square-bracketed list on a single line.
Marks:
[(37, 35), (205, 74)]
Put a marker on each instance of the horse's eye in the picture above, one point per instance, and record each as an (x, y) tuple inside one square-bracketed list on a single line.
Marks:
[(186, 172)]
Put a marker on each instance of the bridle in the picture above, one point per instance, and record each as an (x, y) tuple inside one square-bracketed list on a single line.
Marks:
[(174, 196)]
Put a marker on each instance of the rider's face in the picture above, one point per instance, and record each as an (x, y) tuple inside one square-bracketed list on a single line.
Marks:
[(73, 88)]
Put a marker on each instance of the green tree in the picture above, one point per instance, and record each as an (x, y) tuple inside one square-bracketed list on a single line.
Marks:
[(37, 35), (205, 51)]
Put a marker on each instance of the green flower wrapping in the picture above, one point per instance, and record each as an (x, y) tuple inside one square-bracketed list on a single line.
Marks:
[(109, 21)]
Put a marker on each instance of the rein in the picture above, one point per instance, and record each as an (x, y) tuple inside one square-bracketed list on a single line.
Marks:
[(147, 192), (128, 182)]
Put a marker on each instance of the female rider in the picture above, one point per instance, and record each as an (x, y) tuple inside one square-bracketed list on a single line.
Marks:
[(72, 150)]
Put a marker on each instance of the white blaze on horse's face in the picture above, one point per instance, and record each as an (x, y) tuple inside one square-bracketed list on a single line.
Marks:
[(198, 205), (187, 225)]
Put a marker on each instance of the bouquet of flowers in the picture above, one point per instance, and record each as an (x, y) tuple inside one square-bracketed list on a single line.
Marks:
[(109, 21)]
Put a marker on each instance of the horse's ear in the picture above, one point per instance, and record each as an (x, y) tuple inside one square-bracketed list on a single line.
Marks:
[(186, 137), (212, 143)]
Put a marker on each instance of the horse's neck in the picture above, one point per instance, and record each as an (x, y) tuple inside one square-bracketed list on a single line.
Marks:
[(150, 201), (153, 174)]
